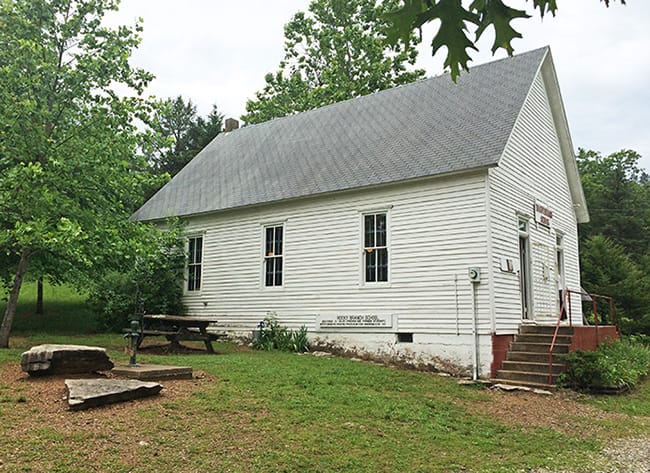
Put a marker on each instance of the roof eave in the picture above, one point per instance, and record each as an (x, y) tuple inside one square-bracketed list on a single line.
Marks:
[(564, 137), (472, 170)]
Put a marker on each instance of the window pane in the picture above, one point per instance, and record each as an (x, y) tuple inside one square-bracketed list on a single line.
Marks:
[(369, 231), (370, 266), (381, 229), (197, 277), (269, 242), (194, 278), (523, 225), (198, 250), (190, 280), (270, 265), (278, 240), (278, 271), (190, 253), (382, 264)]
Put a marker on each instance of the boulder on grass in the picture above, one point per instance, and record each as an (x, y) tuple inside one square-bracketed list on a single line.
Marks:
[(64, 359), (86, 393)]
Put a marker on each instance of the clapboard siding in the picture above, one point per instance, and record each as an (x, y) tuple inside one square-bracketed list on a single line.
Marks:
[(532, 169), (437, 228)]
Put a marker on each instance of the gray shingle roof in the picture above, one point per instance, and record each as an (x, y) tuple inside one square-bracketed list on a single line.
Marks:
[(426, 128)]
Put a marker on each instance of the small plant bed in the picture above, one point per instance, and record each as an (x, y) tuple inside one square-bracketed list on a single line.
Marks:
[(614, 368), (270, 335)]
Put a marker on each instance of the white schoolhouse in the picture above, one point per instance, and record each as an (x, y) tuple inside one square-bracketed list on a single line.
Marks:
[(427, 220)]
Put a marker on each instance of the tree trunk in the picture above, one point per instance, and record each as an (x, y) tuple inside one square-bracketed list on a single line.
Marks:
[(10, 312), (39, 296)]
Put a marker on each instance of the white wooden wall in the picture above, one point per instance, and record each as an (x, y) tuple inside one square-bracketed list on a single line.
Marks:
[(531, 170), (437, 229)]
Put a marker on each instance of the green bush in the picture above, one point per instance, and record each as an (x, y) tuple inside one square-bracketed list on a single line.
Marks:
[(273, 336), (154, 282), (621, 364)]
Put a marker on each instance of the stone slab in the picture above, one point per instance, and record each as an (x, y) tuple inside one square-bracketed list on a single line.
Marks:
[(87, 393), (513, 387), (147, 372), (64, 359)]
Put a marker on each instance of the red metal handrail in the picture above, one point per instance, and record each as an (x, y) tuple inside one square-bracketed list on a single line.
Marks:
[(566, 296)]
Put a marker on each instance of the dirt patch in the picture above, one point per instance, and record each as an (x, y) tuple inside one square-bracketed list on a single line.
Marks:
[(560, 411), (47, 394)]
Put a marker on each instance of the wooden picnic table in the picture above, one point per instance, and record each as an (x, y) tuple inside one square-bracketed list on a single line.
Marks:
[(177, 328)]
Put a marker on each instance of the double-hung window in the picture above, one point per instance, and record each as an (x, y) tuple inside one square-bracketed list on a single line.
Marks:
[(194, 262), (375, 247), (273, 255)]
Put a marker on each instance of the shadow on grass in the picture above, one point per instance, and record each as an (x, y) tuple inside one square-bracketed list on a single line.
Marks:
[(66, 312)]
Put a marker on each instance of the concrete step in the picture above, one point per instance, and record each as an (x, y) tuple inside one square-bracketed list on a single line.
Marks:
[(539, 347), (545, 329), (532, 367), (542, 338), (534, 357), (524, 377)]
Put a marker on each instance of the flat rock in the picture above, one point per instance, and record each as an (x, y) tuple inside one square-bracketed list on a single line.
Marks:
[(147, 372), (64, 359), (512, 387), (86, 393)]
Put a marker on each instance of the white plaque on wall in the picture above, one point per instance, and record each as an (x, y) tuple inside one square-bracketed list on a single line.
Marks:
[(355, 320)]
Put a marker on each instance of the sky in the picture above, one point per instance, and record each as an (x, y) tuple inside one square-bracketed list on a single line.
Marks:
[(217, 52)]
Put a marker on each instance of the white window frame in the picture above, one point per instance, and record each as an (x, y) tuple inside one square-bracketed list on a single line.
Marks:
[(364, 249), (266, 256), (189, 264)]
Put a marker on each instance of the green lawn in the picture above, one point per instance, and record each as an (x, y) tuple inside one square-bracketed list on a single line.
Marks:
[(267, 412), (65, 311)]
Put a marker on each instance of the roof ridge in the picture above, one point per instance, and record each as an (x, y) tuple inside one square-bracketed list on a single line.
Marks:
[(399, 86)]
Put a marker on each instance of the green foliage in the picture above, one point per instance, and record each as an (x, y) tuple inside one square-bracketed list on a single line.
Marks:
[(273, 336), (334, 52), (622, 364), (455, 21), (614, 247), (69, 174), (177, 134), (607, 269), (155, 280), (618, 197)]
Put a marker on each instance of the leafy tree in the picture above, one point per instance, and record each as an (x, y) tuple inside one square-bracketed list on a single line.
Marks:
[(614, 246), (618, 197), (177, 134), (607, 269), (334, 52), (154, 278), (455, 21), (69, 177)]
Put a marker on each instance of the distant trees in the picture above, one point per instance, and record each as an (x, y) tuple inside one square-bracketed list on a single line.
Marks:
[(614, 245), (177, 133), (334, 52)]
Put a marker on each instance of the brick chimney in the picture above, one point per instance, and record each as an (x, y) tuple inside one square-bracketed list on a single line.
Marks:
[(231, 124)]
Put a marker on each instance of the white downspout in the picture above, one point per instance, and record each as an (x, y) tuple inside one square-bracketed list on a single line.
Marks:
[(475, 332), (475, 280)]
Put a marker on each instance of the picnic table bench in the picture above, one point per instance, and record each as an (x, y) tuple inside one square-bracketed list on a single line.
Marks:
[(177, 328)]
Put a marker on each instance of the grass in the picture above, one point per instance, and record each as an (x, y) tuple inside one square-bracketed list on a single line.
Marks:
[(64, 307), (274, 412), (636, 403), (286, 412)]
